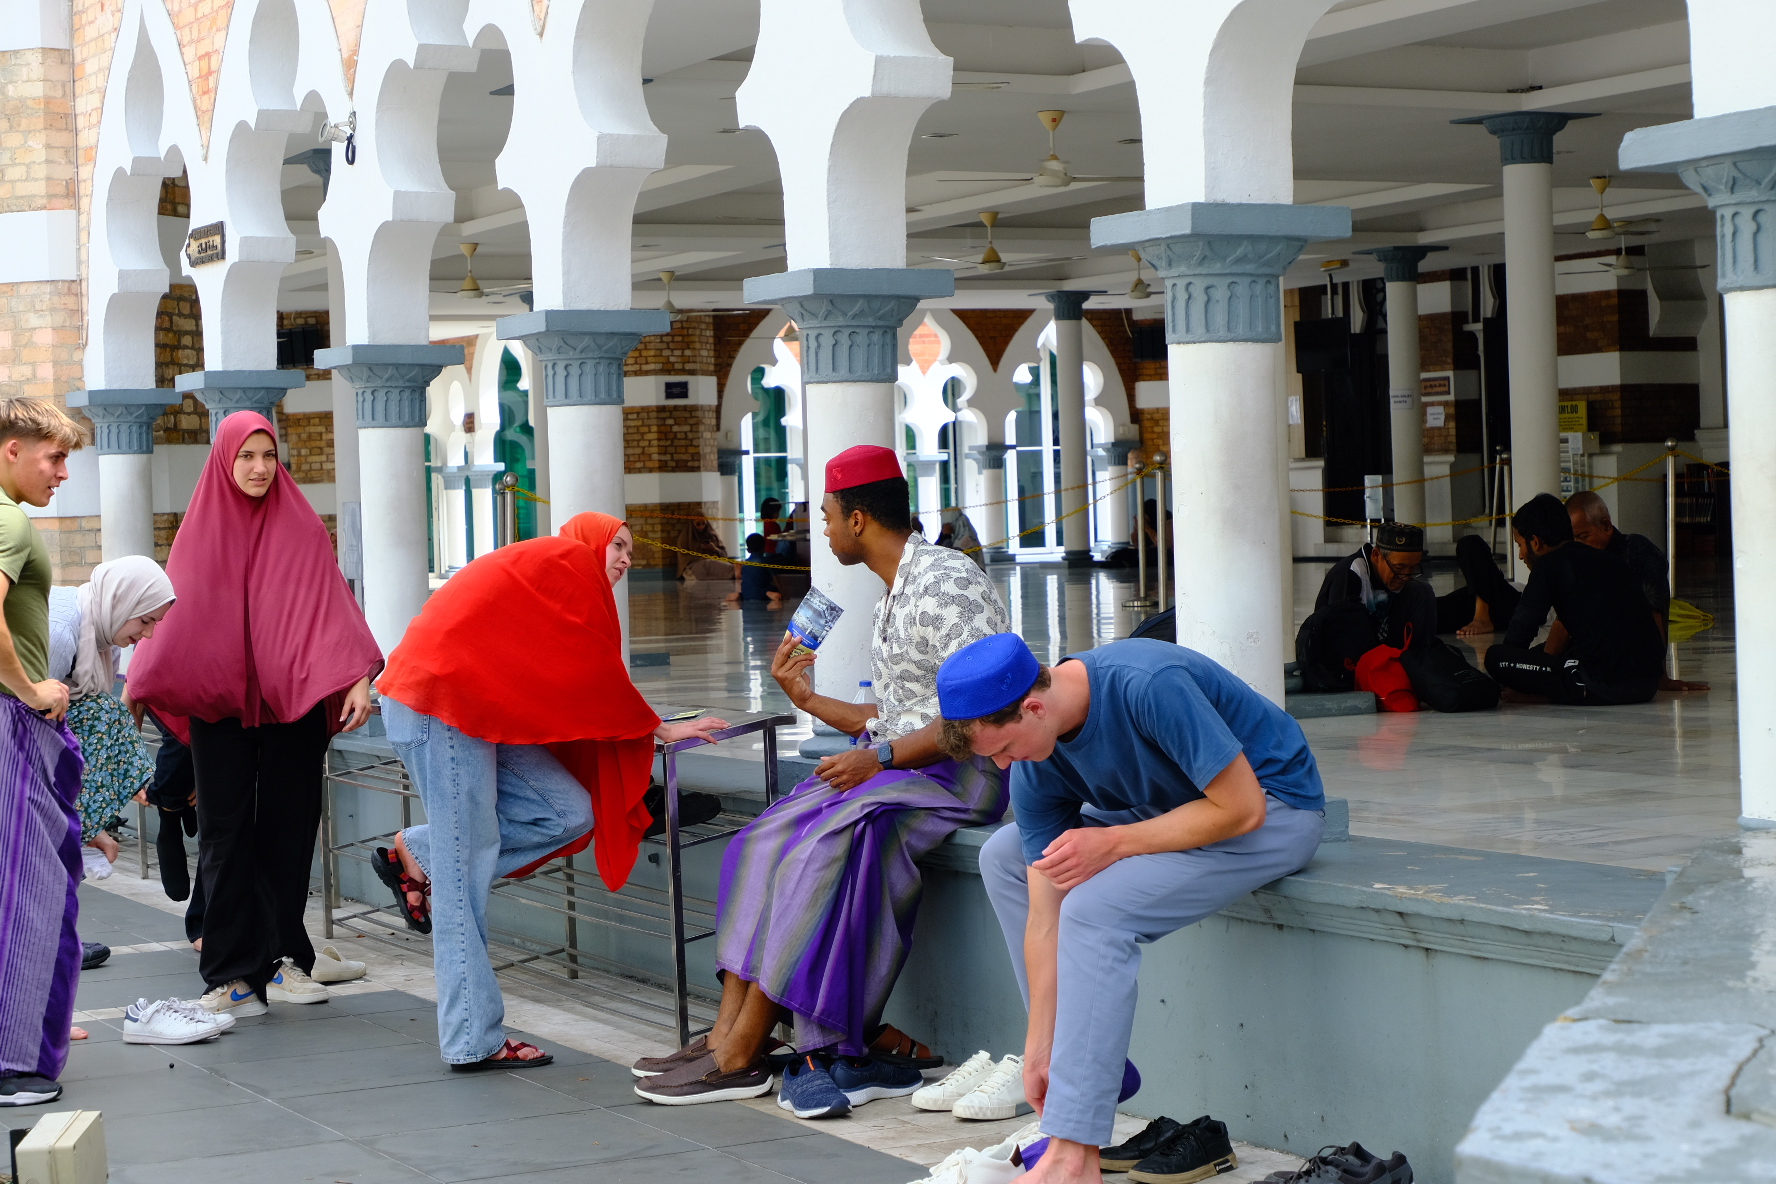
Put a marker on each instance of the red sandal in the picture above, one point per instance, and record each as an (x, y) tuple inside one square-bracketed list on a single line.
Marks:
[(507, 1058), (387, 866)]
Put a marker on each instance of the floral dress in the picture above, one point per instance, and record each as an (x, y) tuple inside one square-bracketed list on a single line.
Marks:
[(117, 760)]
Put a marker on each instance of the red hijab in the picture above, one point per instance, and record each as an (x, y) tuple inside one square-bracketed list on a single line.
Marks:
[(523, 646), (265, 626)]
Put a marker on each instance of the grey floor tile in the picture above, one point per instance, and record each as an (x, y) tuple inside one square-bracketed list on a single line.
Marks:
[(718, 1124), (221, 1135), (452, 1100), (599, 1082), (416, 1023), (527, 1145), (823, 1159), (700, 1167), (121, 991), (153, 1089), (317, 1163), (253, 1040), (369, 1003), (301, 1076), (147, 964)]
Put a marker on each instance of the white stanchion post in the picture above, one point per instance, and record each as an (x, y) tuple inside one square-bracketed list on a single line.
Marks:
[(1671, 540)]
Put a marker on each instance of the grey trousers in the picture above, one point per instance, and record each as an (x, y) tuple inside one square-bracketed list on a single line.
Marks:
[(1105, 921)]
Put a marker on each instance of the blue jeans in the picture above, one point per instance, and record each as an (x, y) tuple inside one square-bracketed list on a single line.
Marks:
[(490, 809)]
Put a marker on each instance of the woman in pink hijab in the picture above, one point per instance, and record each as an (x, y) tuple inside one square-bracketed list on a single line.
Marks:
[(263, 658)]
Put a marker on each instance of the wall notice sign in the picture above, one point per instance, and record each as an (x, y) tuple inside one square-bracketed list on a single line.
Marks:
[(1574, 415), (1294, 410), (1401, 397), (1434, 388), (205, 245), (678, 389), (1434, 413)]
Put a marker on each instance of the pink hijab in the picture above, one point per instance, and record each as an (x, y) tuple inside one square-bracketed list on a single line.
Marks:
[(266, 626)]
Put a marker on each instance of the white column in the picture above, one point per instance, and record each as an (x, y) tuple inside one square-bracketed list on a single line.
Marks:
[(1405, 404), (1739, 182), (1526, 150), (990, 523), (1113, 511), (123, 436), (390, 382), (727, 463), (930, 495), (1069, 325), (1222, 264)]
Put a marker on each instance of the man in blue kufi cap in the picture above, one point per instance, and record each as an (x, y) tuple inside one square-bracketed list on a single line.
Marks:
[(1151, 788)]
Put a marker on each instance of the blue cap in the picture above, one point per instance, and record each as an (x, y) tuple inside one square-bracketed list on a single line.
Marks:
[(986, 676)]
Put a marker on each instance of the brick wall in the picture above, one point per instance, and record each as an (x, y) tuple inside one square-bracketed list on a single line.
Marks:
[(663, 522), (670, 439), (307, 438), (178, 349), (1641, 413), (165, 527), (732, 328), (40, 348), (201, 26), (36, 131), (1156, 431), (994, 328), (1611, 321), (73, 545), (688, 349), (175, 197), (1116, 328), (321, 319)]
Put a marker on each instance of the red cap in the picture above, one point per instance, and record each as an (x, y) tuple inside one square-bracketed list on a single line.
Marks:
[(860, 466)]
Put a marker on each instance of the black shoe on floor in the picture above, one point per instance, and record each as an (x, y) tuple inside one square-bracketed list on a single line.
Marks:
[(693, 808), (93, 953), (28, 1089), (1126, 1155), (1198, 1151), (1351, 1164)]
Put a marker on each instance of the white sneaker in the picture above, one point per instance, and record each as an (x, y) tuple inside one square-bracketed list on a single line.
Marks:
[(999, 1095), (944, 1093), (990, 1166), (331, 968), (236, 997), (191, 1007), (291, 985), (166, 1021)]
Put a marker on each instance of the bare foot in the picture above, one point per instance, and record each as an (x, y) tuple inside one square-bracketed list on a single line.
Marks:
[(1678, 684), (411, 866), (1066, 1162), (77, 1033), (106, 845), (1481, 623)]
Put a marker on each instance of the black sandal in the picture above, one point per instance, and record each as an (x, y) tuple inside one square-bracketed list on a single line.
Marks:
[(387, 866), (890, 1044), (507, 1058)]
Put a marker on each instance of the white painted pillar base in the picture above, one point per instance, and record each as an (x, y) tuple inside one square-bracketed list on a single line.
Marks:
[(1530, 326), (1225, 496), (391, 476), (841, 415), (1113, 511), (126, 504), (1751, 379)]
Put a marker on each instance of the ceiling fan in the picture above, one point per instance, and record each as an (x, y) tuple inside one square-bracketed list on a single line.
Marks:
[(1052, 173), (990, 259), (1622, 263), (1603, 227)]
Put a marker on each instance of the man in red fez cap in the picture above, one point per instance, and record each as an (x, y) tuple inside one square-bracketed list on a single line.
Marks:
[(817, 891)]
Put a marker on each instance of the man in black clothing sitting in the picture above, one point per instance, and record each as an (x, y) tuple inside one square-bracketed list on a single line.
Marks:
[(1382, 577), (1593, 527), (1603, 647)]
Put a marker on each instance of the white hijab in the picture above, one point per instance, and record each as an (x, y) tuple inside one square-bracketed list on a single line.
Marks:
[(119, 591)]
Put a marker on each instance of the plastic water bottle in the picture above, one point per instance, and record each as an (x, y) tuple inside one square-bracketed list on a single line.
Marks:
[(866, 693)]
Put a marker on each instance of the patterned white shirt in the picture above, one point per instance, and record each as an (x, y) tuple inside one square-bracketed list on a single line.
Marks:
[(941, 601)]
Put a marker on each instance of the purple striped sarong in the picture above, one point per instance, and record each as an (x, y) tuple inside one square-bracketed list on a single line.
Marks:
[(39, 873), (819, 893)]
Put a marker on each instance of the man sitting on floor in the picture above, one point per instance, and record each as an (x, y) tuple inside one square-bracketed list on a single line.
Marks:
[(1593, 527), (1368, 599), (1603, 647), (1152, 787), (818, 894)]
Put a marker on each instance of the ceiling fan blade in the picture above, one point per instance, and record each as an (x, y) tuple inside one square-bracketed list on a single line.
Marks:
[(981, 180), (1101, 179)]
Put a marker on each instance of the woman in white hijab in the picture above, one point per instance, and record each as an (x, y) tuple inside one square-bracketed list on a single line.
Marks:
[(118, 607)]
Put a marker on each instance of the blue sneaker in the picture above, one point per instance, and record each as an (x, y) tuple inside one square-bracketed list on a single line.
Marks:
[(864, 1079), (808, 1090)]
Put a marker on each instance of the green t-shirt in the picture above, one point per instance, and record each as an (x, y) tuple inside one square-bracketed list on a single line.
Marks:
[(25, 561)]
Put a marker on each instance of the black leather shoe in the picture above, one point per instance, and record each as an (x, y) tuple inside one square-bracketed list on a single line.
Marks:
[(93, 953), (1124, 1156), (1199, 1151)]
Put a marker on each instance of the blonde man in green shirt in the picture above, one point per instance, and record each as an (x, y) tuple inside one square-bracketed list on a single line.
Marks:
[(40, 769)]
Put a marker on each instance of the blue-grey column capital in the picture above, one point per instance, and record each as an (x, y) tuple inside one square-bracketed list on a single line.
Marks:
[(1526, 137), (391, 380), (226, 391), (583, 349), (849, 318), (1069, 304), (727, 461), (1116, 452), (1400, 264), (1222, 262), (1730, 160), (990, 457), (122, 418)]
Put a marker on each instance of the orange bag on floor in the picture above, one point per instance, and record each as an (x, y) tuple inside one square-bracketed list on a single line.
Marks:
[(1379, 671)]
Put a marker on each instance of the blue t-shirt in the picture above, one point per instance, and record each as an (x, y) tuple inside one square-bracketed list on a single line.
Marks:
[(1164, 722)]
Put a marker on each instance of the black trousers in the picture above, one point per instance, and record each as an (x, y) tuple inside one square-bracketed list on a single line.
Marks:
[(1564, 680), (1473, 555), (258, 810)]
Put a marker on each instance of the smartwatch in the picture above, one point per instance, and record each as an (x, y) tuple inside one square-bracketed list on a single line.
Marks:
[(885, 754)]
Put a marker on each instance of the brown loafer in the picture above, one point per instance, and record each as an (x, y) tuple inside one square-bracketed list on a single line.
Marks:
[(653, 1066), (701, 1080)]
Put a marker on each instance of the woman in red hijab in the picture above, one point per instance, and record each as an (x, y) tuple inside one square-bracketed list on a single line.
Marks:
[(260, 661), (509, 703)]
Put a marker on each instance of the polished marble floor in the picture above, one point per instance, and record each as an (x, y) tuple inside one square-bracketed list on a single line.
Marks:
[(1638, 786)]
